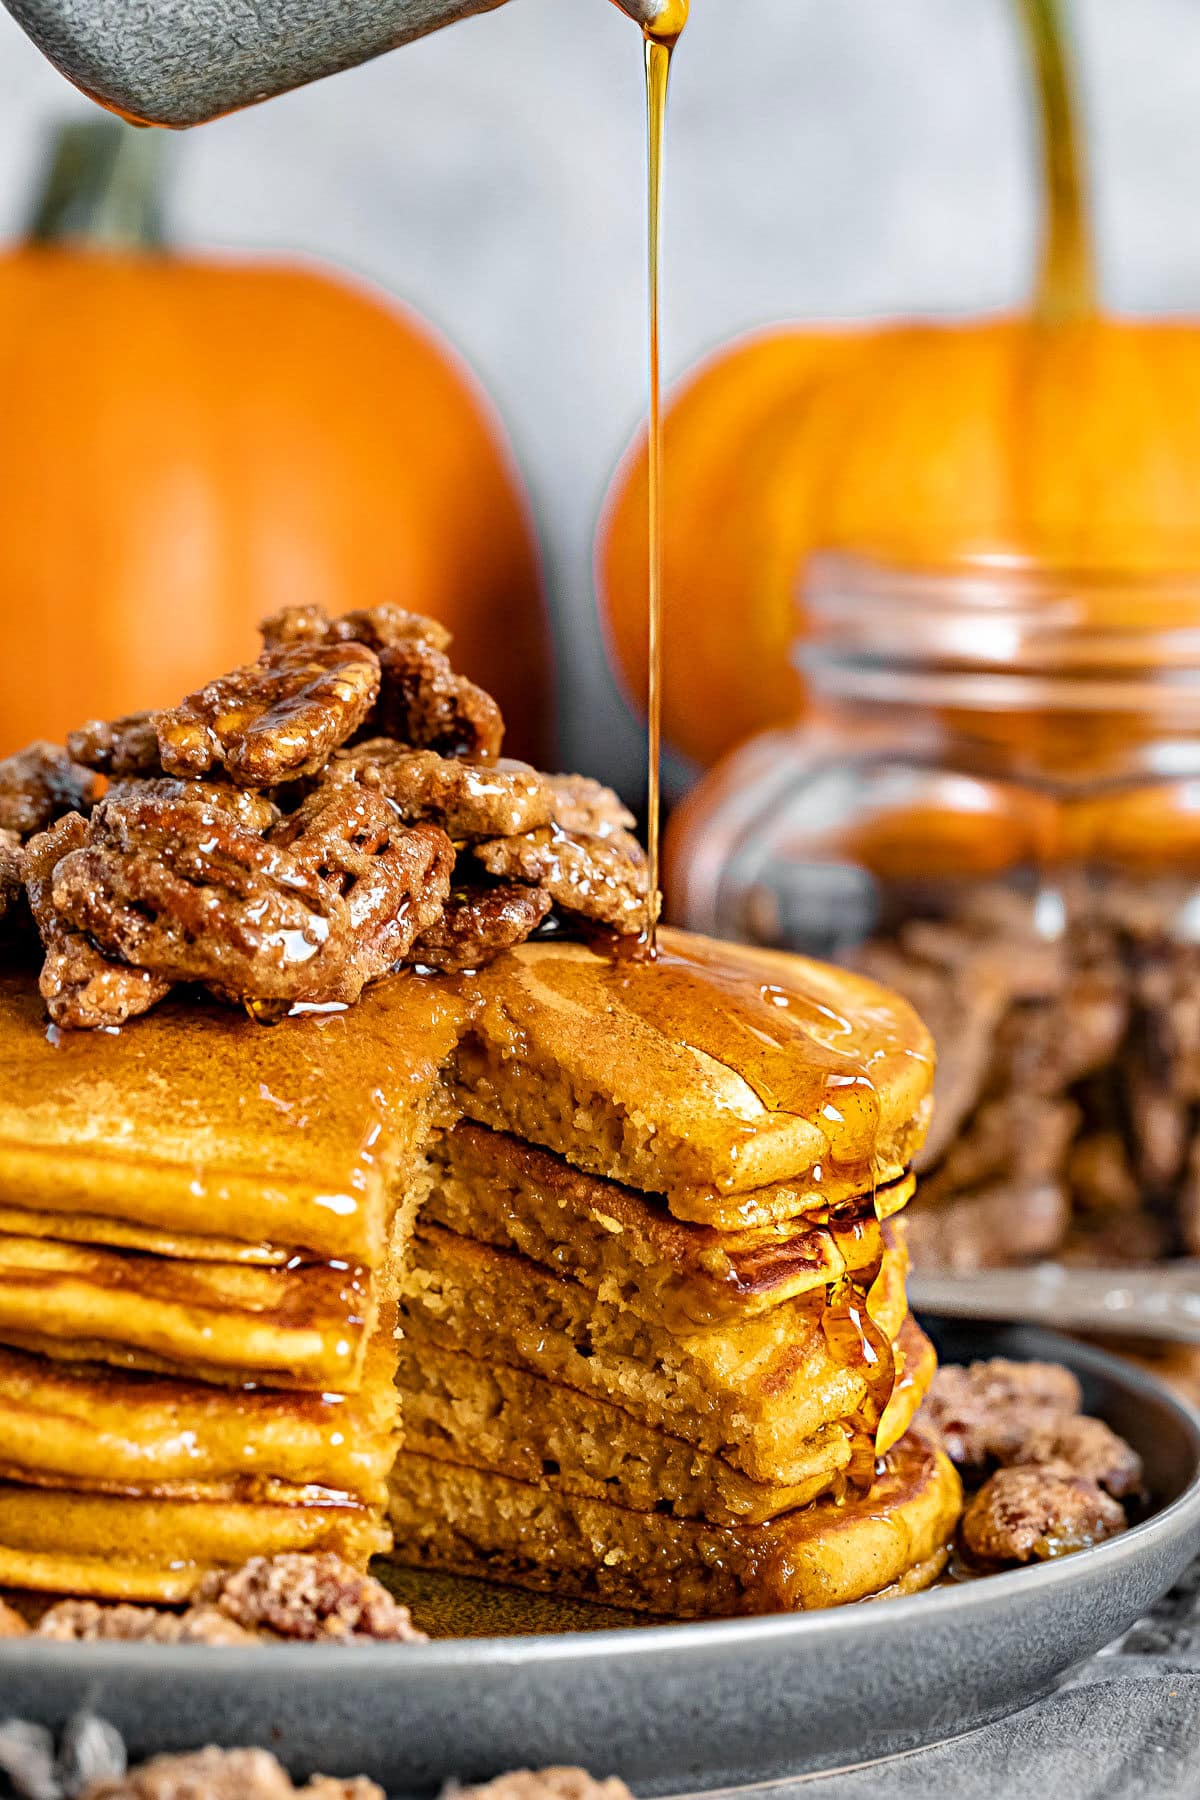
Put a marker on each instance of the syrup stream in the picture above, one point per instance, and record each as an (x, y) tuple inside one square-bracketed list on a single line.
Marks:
[(660, 41)]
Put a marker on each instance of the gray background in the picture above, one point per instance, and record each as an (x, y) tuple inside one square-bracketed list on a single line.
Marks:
[(841, 157)]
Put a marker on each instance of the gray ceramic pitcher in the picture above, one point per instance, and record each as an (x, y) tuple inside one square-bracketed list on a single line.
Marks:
[(179, 62)]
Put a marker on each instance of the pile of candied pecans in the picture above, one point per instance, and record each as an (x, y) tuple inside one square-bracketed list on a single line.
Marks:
[(1067, 1104), (298, 828)]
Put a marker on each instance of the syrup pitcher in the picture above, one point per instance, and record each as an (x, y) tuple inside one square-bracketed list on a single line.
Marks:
[(180, 62)]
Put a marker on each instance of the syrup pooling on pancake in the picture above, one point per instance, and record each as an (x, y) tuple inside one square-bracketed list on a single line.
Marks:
[(796, 1054)]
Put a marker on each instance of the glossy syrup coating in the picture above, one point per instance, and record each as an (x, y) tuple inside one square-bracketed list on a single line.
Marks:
[(744, 1085), (206, 1122)]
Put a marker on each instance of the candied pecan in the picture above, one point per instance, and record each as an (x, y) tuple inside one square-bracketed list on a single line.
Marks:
[(600, 878), (394, 878), (587, 807), (314, 1597), (274, 720), (468, 799), (1087, 1447), (38, 785), (253, 810), (82, 988), (478, 923), (84, 1621), (124, 746), (423, 703), (1027, 1514), (181, 889), (547, 1784), (376, 626), (986, 1411), (214, 1774)]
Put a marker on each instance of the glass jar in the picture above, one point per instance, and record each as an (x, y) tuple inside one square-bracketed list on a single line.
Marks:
[(993, 805)]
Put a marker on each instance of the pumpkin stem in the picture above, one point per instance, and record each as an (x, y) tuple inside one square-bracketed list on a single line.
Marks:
[(102, 188), (1066, 285)]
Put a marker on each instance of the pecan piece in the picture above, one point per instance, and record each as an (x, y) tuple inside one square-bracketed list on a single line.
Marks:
[(1090, 1448), (83, 989), (468, 799), (86, 1622), (985, 1412), (587, 807), (214, 1774), (276, 719), (1026, 1515), (38, 785), (422, 702), (376, 626), (478, 923), (600, 878), (251, 809), (124, 746), (181, 889), (558, 1783), (393, 879), (317, 1598)]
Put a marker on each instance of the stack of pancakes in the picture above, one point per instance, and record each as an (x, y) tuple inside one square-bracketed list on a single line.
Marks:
[(656, 1340), (627, 1233), (200, 1224)]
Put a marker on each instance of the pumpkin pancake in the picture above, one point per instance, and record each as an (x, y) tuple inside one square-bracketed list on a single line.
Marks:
[(88, 1228), (303, 1327), (90, 1426), (193, 1120), (628, 1248), (131, 1547), (754, 1391), (506, 1420), (743, 1085), (826, 1554)]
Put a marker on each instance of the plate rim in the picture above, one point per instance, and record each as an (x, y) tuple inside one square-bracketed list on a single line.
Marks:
[(684, 1638)]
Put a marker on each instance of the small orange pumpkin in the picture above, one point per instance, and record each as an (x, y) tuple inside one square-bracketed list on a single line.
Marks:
[(1063, 434), (187, 445)]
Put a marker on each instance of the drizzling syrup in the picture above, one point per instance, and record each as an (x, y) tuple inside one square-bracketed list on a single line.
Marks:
[(661, 38)]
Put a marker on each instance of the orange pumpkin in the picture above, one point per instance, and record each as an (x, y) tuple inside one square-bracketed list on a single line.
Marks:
[(1063, 434), (186, 445)]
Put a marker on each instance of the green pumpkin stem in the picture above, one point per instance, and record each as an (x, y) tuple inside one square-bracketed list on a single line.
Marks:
[(102, 188), (1066, 285)]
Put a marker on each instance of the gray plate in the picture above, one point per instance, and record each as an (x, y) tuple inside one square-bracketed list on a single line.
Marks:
[(674, 1707)]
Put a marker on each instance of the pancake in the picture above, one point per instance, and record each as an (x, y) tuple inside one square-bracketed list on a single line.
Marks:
[(627, 1247), (195, 1120), (513, 1423), (132, 1548), (95, 1427), (303, 1327), (754, 1392), (714, 1072), (476, 1523), (91, 1228)]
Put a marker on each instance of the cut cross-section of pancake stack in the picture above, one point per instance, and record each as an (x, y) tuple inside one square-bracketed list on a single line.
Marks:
[(656, 1347), (201, 1221)]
